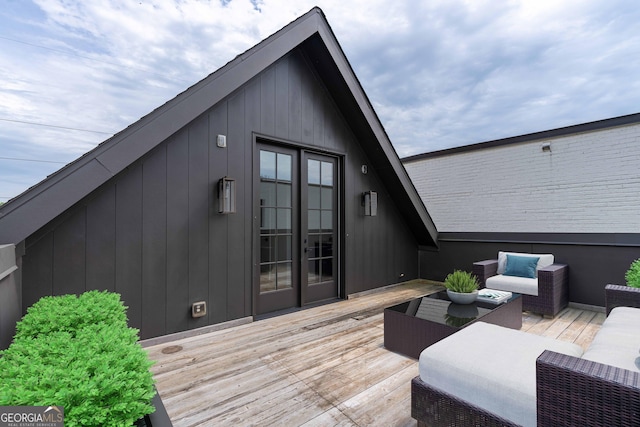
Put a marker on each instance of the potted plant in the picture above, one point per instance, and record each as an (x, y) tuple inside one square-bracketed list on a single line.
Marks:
[(462, 287), (632, 276)]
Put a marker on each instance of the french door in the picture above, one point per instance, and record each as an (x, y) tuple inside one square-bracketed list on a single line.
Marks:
[(319, 222), (297, 228)]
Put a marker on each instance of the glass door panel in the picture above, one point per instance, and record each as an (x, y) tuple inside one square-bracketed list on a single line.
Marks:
[(321, 224), (278, 274), (275, 227)]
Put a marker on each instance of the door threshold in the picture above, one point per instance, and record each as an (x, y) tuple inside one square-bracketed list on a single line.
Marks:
[(294, 309)]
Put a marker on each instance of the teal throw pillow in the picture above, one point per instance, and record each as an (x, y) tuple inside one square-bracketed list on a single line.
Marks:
[(521, 266)]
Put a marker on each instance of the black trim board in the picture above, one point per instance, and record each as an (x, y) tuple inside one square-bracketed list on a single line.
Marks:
[(582, 239)]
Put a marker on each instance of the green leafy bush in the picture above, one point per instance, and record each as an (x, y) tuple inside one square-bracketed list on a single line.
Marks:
[(95, 368), (632, 276), (461, 281), (70, 313)]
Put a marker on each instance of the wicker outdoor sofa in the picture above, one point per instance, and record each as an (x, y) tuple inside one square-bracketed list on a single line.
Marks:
[(546, 294), (570, 390)]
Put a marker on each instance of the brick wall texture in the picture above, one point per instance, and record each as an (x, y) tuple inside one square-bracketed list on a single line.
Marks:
[(588, 183)]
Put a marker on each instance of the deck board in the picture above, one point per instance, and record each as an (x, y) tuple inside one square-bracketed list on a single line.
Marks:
[(322, 366)]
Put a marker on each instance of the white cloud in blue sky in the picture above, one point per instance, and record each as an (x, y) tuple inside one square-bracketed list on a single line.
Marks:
[(440, 74)]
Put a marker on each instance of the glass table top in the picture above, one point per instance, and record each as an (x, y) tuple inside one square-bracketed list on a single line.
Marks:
[(439, 309)]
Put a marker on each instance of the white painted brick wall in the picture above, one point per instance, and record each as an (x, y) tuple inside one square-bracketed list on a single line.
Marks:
[(588, 183)]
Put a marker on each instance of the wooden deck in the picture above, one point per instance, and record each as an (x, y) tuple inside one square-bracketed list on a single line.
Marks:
[(324, 366)]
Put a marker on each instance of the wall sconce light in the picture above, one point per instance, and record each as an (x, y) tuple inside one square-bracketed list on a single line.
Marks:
[(227, 195), (370, 202), (546, 146)]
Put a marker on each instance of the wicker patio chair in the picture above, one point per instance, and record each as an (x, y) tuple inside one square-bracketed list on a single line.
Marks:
[(434, 408), (553, 287), (578, 392), (621, 296), (570, 391)]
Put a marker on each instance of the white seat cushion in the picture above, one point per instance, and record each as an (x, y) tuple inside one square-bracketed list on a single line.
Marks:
[(492, 367), (617, 343), (519, 285), (544, 261)]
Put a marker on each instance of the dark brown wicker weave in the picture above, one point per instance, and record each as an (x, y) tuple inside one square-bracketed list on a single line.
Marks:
[(553, 286), (576, 392), (570, 391), (435, 408), (621, 296)]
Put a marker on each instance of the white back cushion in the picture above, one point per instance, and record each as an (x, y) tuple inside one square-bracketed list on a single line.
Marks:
[(544, 261), (618, 341)]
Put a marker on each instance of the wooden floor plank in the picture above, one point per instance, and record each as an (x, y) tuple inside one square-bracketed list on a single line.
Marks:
[(333, 417), (561, 323), (322, 366), (572, 332), (371, 407), (587, 334)]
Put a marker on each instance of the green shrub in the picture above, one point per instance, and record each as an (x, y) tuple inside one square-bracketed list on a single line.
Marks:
[(97, 371), (70, 313), (461, 281), (632, 276)]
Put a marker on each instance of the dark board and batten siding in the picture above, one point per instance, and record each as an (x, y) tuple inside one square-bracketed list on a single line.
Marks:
[(153, 234)]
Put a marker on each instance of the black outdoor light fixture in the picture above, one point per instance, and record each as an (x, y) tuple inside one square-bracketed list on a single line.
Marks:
[(370, 202), (227, 195)]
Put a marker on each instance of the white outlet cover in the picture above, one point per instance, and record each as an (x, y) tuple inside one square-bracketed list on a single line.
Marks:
[(221, 141)]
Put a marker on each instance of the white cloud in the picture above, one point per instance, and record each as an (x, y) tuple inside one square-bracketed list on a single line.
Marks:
[(439, 74)]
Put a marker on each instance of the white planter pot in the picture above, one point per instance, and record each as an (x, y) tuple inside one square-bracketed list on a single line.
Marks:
[(462, 298)]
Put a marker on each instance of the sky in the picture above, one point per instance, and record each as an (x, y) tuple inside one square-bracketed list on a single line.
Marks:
[(439, 73)]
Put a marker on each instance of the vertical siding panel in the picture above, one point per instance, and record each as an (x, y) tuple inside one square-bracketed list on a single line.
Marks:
[(307, 106), (318, 116), (218, 230), (295, 98), (154, 244), (38, 271), (354, 262), (386, 238), (239, 267), (129, 243), (282, 98), (198, 214), (69, 255), (381, 226), (252, 122), (331, 141), (178, 233), (101, 240), (268, 101)]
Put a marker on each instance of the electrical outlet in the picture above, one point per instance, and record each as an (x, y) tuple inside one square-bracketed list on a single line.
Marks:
[(198, 309)]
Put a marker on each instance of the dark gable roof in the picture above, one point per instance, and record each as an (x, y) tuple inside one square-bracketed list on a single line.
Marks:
[(23, 215)]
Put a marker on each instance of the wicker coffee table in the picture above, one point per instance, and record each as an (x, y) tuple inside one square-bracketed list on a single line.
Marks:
[(414, 325)]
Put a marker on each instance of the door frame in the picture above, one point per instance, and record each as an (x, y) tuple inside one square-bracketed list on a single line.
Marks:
[(261, 139)]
